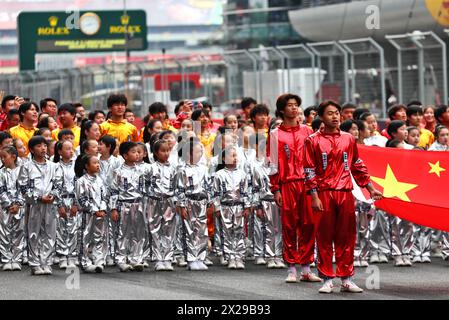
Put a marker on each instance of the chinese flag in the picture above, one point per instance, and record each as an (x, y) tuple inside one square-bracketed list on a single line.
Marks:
[(415, 183)]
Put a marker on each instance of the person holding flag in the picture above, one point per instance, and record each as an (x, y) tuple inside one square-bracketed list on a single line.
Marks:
[(330, 158)]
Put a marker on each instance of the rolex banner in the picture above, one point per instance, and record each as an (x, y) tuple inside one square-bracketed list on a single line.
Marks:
[(415, 184)]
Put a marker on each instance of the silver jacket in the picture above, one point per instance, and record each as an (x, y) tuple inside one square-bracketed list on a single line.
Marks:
[(107, 168), (160, 180), (9, 191), (192, 182), (260, 175), (230, 188), (68, 172), (40, 179), (91, 193), (127, 185)]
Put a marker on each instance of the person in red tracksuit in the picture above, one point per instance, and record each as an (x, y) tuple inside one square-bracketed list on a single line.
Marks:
[(331, 157), (286, 152)]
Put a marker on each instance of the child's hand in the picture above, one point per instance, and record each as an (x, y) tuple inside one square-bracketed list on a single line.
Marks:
[(184, 213), (73, 211), (48, 199), (114, 215), (62, 212), (100, 214), (14, 209), (260, 215)]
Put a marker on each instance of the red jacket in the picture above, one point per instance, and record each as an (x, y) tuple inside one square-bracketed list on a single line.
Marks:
[(286, 152), (329, 161)]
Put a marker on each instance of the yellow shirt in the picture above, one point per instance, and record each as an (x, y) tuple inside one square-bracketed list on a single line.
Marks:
[(76, 131), (121, 130), (426, 138), (23, 133), (208, 142)]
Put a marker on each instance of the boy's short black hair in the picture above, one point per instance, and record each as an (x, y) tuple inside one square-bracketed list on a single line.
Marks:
[(414, 109), (117, 98), (348, 105), (43, 102), (394, 126), (12, 113), (282, 100), (126, 146), (316, 124), (65, 132), (6, 99), (259, 109), (358, 112), (346, 125), (157, 107), (36, 140), (4, 135), (308, 110), (24, 107), (127, 110), (414, 103), (397, 107), (246, 102), (323, 105), (70, 108), (110, 142), (439, 112)]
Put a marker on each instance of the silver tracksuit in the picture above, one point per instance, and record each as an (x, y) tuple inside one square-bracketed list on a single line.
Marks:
[(364, 213), (93, 241), (423, 240), (268, 237), (126, 197), (107, 168), (142, 167), (402, 236), (160, 181), (11, 226), (37, 180), (230, 199), (193, 184), (380, 239), (67, 228)]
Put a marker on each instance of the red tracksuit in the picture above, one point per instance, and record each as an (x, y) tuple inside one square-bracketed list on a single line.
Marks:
[(286, 152), (329, 161)]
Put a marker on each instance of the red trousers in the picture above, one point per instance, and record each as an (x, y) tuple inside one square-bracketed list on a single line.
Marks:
[(337, 226), (298, 225)]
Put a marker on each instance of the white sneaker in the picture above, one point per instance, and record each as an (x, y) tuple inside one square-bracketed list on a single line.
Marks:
[(24, 260), (146, 264), (90, 269), (181, 261), (56, 260), (169, 267), (280, 263), (312, 265), (47, 270), (16, 266), (159, 266), (426, 259), (223, 261), (7, 267), (63, 263), (37, 271), (72, 263), (291, 278), (383, 258), (260, 261), (109, 261), (192, 266), (239, 265), (124, 267), (398, 262), (208, 262), (232, 264), (328, 287), (349, 286), (407, 261), (356, 262), (271, 264), (417, 259), (374, 258), (364, 263), (310, 277), (99, 269), (202, 266)]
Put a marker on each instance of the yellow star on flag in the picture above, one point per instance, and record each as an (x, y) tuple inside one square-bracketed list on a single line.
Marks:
[(435, 168), (392, 187)]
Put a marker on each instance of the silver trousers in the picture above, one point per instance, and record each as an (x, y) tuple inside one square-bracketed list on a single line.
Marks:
[(402, 236), (423, 239), (271, 230), (12, 236), (195, 230), (93, 245), (362, 245), (41, 234), (161, 219), (67, 232), (380, 239), (178, 242), (445, 244), (232, 224)]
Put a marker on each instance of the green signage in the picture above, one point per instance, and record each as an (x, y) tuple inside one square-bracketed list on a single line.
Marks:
[(86, 31)]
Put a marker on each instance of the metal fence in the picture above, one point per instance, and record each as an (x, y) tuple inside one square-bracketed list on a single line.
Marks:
[(361, 71)]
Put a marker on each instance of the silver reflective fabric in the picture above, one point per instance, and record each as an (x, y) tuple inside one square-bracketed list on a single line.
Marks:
[(93, 241), (380, 240), (11, 226), (362, 245), (423, 239), (402, 236)]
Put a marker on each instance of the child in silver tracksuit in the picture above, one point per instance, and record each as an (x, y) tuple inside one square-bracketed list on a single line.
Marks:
[(192, 187), (40, 182), (68, 220), (232, 206), (91, 193), (12, 213), (160, 209), (126, 204)]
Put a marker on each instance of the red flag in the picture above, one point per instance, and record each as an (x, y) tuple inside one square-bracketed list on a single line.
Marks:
[(414, 183)]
